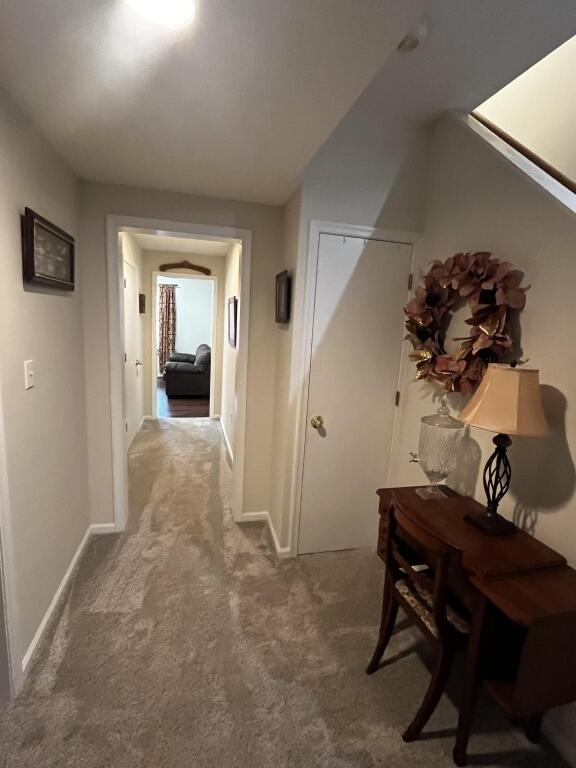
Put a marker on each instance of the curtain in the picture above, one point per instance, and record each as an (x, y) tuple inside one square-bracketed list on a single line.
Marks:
[(167, 330)]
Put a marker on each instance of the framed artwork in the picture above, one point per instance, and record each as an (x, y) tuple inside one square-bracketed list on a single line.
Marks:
[(283, 296), (47, 253), (232, 320)]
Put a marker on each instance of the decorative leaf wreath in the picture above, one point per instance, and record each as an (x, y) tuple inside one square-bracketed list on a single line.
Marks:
[(491, 288)]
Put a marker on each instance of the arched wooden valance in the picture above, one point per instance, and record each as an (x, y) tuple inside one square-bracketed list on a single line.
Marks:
[(184, 265)]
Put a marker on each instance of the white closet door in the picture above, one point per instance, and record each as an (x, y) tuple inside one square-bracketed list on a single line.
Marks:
[(361, 288)]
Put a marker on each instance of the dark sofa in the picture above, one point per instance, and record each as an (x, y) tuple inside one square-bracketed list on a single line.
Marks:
[(189, 375)]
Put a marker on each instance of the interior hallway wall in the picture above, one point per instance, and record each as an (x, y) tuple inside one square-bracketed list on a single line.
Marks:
[(265, 221), (229, 353), (45, 485), (285, 412), (477, 200), (370, 172), (151, 261)]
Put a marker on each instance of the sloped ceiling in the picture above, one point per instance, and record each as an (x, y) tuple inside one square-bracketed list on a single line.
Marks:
[(238, 104), (234, 106)]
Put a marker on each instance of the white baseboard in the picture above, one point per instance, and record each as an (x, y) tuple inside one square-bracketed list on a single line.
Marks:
[(102, 528), (264, 517), (228, 446), (92, 530), (55, 600), (557, 735)]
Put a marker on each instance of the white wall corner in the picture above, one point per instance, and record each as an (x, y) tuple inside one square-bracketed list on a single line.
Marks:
[(97, 529), (555, 732), (58, 595), (264, 517), (227, 441)]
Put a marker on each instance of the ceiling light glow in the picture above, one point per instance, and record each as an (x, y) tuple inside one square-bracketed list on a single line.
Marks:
[(167, 13)]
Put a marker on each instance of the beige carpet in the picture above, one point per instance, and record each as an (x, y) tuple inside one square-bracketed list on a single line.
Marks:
[(184, 644)]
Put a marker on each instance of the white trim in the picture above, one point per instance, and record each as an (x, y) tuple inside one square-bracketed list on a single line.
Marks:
[(556, 734), (55, 600), (302, 340), (114, 224), (228, 446), (214, 341), (96, 529), (99, 529), (264, 517), (10, 620), (536, 174)]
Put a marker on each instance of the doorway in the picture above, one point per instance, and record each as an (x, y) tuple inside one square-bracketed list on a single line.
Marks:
[(184, 355), (360, 286), (237, 245)]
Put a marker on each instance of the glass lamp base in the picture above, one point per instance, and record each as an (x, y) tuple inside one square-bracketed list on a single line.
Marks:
[(430, 492)]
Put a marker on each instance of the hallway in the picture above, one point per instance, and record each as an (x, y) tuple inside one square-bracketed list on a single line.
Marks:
[(184, 644)]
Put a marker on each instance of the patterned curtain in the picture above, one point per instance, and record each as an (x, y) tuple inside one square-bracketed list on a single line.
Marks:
[(167, 307)]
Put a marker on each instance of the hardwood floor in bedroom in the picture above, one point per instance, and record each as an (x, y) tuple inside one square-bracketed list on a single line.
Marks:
[(180, 407)]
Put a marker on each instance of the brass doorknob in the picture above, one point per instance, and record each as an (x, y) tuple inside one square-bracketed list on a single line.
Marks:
[(317, 422)]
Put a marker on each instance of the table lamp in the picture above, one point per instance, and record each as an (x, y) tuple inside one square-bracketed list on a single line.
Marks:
[(508, 402)]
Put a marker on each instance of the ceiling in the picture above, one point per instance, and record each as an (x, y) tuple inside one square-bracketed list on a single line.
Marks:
[(234, 106), (238, 104), (168, 244)]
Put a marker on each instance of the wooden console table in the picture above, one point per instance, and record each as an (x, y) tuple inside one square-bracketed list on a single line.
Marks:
[(521, 596)]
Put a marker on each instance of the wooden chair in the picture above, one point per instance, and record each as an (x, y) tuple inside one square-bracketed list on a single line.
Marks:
[(424, 596)]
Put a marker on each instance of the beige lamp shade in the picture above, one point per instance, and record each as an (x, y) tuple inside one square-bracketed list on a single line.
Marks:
[(508, 401)]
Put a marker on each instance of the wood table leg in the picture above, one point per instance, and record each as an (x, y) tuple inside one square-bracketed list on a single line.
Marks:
[(389, 613), (471, 680), (533, 727)]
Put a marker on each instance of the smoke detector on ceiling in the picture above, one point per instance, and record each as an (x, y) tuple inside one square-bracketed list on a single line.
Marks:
[(414, 38)]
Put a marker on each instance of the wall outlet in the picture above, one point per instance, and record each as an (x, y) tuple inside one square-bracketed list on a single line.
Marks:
[(28, 374)]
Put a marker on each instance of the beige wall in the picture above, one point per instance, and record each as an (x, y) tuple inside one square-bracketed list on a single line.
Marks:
[(265, 222), (151, 260), (45, 488), (229, 353), (285, 386), (477, 200)]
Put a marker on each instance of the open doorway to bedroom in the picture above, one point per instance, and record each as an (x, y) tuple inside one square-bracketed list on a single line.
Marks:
[(178, 250), (185, 311), (181, 298)]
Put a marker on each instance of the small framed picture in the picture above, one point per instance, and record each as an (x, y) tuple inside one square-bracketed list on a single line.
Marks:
[(283, 296), (47, 253), (232, 320)]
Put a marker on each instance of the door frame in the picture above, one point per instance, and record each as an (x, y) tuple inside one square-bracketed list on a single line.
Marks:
[(11, 673), (303, 332), (216, 351), (145, 225)]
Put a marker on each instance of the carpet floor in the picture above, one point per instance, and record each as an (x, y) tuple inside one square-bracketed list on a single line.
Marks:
[(183, 643)]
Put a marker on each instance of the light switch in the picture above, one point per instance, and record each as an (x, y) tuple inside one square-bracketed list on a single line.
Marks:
[(28, 374)]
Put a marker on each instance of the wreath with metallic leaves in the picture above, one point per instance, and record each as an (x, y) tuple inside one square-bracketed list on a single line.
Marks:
[(493, 291)]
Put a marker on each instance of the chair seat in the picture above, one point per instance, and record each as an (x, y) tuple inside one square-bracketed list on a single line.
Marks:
[(422, 603)]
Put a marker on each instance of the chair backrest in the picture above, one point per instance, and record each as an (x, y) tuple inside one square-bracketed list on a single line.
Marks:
[(410, 545), (203, 357)]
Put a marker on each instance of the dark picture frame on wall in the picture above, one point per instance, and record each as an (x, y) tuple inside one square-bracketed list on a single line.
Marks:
[(283, 296), (232, 320), (47, 253)]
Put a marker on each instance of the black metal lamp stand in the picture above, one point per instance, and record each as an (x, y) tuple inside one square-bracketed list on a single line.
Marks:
[(497, 475)]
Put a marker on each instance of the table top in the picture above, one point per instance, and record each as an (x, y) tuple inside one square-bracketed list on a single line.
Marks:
[(519, 574)]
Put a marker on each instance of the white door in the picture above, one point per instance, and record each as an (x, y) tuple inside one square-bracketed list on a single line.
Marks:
[(133, 394), (361, 287)]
